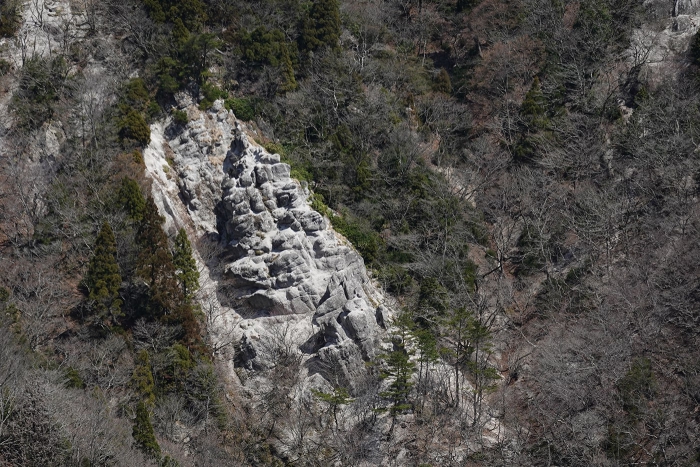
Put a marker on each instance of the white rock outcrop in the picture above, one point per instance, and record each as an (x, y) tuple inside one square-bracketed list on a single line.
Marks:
[(660, 47), (285, 277)]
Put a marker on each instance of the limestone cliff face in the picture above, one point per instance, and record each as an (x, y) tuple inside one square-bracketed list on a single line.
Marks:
[(658, 48), (286, 278)]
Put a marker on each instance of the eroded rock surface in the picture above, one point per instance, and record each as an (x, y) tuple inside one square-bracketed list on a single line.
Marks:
[(287, 261), (286, 278)]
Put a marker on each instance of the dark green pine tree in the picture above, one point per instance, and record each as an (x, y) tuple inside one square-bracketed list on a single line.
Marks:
[(155, 264), (143, 432), (142, 378), (131, 199), (102, 280), (191, 12), (321, 28), (289, 82), (180, 33), (155, 10), (335, 400), (399, 369), (133, 127), (187, 272), (194, 57)]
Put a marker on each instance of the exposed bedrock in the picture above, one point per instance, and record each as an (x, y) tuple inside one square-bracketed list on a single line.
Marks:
[(291, 281)]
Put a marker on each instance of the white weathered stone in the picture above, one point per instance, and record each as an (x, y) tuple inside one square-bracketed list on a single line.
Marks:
[(288, 273)]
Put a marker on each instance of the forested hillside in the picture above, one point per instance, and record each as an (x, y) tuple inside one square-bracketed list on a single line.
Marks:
[(520, 178)]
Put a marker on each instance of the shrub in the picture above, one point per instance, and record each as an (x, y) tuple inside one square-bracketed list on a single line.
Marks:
[(395, 279), (275, 148), (180, 117), (73, 379), (241, 107), (263, 45), (135, 94), (211, 93), (318, 205), (363, 238), (302, 171), (442, 82), (132, 126)]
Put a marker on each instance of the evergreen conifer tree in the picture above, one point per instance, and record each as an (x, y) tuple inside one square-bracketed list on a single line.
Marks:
[(186, 266), (427, 346), (321, 27), (339, 397), (534, 107), (180, 33), (10, 18), (155, 264), (143, 432), (399, 369), (484, 376), (289, 82), (142, 378), (131, 199), (133, 127), (103, 280)]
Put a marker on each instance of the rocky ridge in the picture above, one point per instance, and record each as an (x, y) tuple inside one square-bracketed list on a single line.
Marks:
[(285, 277)]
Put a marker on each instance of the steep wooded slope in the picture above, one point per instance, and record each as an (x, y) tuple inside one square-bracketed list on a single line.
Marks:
[(520, 175)]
